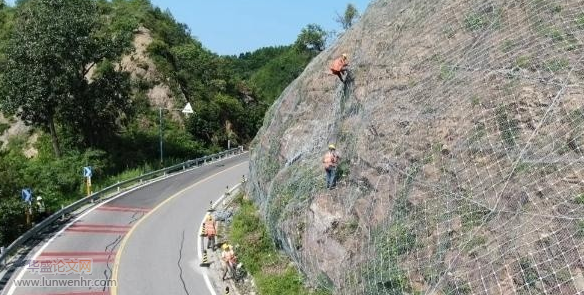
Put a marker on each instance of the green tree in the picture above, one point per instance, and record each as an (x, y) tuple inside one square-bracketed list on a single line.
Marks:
[(53, 47), (100, 109), (349, 17), (12, 220), (312, 37)]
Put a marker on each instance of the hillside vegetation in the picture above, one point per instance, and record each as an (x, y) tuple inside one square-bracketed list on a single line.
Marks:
[(90, 94)]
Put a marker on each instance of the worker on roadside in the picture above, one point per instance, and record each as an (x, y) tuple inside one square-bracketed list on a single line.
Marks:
[(211, 231), (228, 259), (331, 161), (339, 66)]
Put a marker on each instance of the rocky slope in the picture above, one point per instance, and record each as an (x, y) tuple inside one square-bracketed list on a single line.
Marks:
[(142, 70), (461, 138)]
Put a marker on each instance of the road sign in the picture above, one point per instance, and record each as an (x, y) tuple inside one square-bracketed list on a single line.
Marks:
[(188, 109), (87, 171), (26, 195)]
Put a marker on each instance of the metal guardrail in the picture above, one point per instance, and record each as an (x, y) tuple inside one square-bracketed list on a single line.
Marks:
[(105, 194)]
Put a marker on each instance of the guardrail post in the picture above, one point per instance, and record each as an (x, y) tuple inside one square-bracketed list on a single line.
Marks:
[(3, 261), (63, 214)]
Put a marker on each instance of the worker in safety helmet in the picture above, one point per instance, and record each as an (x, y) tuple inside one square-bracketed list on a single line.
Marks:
[(331, 161), (339, 66), (228, 259), (210, 231)]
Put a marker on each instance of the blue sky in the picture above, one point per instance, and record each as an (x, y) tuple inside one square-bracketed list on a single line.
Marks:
[(235, 26)]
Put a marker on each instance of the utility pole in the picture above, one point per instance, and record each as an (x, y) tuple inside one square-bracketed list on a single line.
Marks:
[(186, 110), (160, 126)]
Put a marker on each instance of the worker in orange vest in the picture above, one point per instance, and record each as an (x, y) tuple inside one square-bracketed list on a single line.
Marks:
[(330, 161), (211, 231), (228, 260), (339, 66)]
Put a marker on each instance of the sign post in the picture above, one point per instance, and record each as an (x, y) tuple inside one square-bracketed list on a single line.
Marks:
[(87, 173), (26, 195)]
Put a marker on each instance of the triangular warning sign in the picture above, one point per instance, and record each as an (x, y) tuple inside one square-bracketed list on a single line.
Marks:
[(188, 109)]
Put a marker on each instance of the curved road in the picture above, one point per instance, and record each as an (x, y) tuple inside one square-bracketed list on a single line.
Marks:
[(145, 240)]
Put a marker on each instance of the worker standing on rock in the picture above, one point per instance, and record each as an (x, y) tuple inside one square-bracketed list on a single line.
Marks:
[(331, 161), (210, 231), (339, 66)]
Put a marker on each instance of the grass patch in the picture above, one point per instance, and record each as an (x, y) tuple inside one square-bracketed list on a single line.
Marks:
[(528, 272), (475, 21), (457, 288), (447, 72), (571, 42), (479, 131), (507, 46), (579, 199), (523, 61), (580, 229), (474, 243), (4, 127), (508, 128), (556, 65), (449, 31), (580, 21), (257, 252), (127, 174), (287, 283), (473, 215), (521, 167), (556, 35)]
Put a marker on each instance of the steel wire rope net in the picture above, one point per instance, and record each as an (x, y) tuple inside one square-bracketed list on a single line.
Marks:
[(462, 165)]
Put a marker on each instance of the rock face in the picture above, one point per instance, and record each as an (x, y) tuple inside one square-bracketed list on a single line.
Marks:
[(461, 143)]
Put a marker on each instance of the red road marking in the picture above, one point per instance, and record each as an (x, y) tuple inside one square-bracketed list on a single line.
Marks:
[(123, 209), (99, 225), (84, 254), (78, 293), (95, 256), (93, 230), (98, 228), (94, 260)]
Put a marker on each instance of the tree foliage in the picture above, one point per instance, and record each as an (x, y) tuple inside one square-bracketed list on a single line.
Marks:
[(53, 47), (61, 72), (312, 37), (347, 19)]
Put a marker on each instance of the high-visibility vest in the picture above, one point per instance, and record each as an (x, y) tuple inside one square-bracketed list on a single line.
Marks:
[(210, 228), (338, 64), (330, 160), (229, 256)]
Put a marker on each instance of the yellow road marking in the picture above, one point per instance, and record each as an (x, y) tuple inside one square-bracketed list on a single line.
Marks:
[(114, 290)]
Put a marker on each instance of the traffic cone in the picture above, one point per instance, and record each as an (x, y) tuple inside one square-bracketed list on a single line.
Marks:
[(205, 261), (203, 231), (211, 209), (226, 290)]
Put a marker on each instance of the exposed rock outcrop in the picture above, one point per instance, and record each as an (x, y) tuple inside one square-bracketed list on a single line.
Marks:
[(461, 143)]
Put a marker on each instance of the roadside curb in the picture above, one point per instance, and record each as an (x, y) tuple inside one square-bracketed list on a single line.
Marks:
[(218, 286)]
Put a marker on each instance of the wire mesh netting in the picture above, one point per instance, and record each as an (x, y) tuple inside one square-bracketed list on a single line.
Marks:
[(461, 153)]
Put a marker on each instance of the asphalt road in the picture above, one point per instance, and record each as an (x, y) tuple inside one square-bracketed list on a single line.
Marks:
[(146, 240)]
